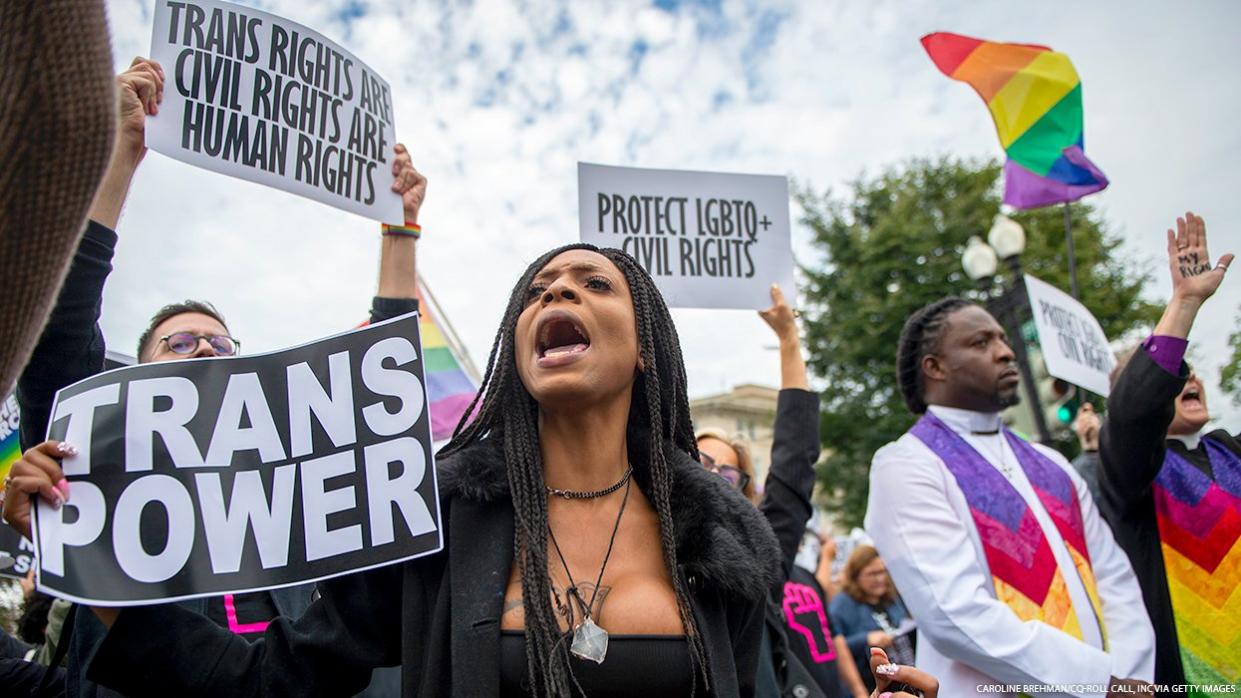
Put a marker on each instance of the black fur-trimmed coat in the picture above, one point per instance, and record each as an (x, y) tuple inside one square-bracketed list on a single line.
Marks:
[(439, 616)]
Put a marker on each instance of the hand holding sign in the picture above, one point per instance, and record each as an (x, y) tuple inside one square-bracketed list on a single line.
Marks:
[(409, 183), (37, 472), (140, 89), (1193, 277)]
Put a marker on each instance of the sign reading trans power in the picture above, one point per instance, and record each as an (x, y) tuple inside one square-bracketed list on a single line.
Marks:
[(710, 240), (255, 96), (1071, 339), (211, 476)]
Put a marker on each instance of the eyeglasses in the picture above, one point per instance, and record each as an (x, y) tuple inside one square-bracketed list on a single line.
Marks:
[(733, 475), (187, 342)]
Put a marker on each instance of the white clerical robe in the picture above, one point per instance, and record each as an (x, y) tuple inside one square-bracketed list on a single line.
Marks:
[(925, 533)]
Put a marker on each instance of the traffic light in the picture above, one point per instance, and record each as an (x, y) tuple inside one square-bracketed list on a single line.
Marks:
[(1062, 410)]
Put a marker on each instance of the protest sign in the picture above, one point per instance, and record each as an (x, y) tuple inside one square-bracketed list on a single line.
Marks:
[(210, 476), (255, 96), (710, 240), (1071, 339), (16, 553)]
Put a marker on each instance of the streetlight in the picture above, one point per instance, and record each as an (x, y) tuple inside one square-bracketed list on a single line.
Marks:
[(981, 261)]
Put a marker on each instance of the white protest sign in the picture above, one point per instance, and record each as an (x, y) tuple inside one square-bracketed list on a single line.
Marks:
[(205, 477), (1072, 341), (255, 96), (709, 239)]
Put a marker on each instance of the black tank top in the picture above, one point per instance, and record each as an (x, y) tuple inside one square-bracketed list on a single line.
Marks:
[(651, 666)]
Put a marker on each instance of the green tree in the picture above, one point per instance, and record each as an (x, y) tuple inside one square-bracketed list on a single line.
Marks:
[(893, 245), (1230, 374)]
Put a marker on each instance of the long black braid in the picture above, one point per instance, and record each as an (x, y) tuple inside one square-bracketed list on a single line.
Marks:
[(920, 336), (659, 424)]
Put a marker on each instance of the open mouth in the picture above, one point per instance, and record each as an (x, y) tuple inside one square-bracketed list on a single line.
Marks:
[(1191, 398), (561, 334)]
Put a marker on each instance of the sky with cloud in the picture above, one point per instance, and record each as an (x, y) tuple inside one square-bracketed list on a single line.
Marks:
[(498, 100)]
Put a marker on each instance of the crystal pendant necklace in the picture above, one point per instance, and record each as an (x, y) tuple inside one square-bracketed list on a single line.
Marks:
[(589, 640)]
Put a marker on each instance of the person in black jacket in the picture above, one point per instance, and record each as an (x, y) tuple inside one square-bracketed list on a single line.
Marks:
[(72, 348), (573, 505), (1171, 492), (785, 503)]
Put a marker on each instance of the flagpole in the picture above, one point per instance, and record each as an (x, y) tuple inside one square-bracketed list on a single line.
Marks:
[(1068, 241), (450, 334)]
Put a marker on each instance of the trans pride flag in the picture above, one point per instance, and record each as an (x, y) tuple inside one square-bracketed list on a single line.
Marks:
[(1035, 99)]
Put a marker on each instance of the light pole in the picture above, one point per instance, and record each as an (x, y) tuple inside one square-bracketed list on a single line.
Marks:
[(981, 261)]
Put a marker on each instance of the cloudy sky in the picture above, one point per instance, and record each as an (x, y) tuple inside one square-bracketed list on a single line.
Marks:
[(499, 100)]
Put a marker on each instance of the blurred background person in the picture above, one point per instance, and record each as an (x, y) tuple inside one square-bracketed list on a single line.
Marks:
[(1086, 427), (868, 613)]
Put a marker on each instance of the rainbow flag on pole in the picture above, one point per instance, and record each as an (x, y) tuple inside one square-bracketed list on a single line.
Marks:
[(1035, 99), (451, 379)]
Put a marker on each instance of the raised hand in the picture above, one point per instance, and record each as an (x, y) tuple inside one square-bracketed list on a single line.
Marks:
[(780, 317), (1086, 426), (140, 89), (1193, 276), (409, 183)]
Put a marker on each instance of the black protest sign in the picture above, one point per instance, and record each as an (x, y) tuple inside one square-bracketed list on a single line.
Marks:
[(209, 476), (709, 239), (255, 96)]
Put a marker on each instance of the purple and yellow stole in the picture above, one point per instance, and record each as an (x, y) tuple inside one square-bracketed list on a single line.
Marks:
[(1200, 533), (1023, 567)]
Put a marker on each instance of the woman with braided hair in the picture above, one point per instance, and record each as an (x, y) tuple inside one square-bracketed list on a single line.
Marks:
[(586, 552)]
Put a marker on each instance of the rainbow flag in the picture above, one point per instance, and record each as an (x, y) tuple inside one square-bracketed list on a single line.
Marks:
[(1035, 99), (10, 437), (449, 387)]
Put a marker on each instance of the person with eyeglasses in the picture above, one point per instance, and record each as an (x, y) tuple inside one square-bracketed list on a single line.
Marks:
[(72, 348), (801, 648)]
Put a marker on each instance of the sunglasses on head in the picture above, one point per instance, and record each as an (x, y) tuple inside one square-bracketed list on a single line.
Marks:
[(187, 342), (733, 475)]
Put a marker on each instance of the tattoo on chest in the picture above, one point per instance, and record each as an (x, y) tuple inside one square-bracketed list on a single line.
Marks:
[(566, 606), (1192, 264)]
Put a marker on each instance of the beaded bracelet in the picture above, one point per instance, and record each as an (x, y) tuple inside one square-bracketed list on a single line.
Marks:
[(411, 230)]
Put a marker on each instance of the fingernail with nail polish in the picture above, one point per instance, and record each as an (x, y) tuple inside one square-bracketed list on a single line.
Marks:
[(60, 499), (887, 669), (886, 694), (68, 449), (63, 487)]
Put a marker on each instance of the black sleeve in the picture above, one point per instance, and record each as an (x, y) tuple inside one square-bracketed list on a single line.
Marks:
[(388, 308), (1131, 441), (19, 677), (352, 628), (71, 347), (11, 647), (790, 480)]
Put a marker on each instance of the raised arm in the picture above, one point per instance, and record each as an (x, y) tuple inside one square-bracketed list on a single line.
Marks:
[(398, 277), (1142, 403), (795, 445)]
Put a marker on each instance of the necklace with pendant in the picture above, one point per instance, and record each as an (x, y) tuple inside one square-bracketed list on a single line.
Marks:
[(589, 640)]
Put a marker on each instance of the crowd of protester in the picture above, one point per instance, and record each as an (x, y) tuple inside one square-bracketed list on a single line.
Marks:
[(995, 562)]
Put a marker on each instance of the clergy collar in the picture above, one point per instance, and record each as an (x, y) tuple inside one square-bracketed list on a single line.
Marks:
[(968, 421), (1190, 440)]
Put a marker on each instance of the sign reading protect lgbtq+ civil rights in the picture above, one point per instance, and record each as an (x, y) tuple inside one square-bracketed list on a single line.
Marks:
[(710, 240), (211, 476), (255, 96), (1071, 339)]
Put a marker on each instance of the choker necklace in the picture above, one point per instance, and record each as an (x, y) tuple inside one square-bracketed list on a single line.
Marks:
[(574, 494), (589, 640)]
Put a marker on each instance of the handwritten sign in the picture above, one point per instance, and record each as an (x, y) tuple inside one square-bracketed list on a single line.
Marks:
[(255, 96), (710, 240), (1073, 344)]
